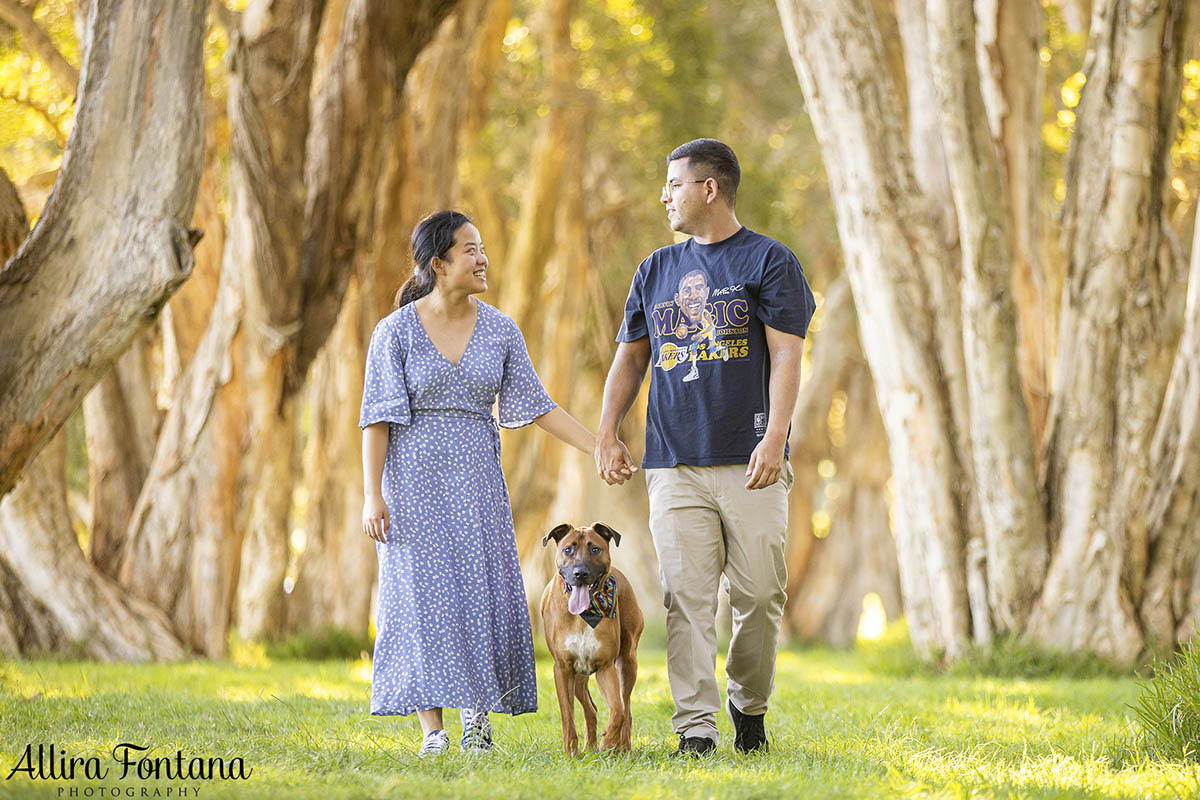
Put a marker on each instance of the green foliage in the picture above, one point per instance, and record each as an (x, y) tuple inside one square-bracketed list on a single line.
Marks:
[(35, 113), (1168, 707), (328, 643), (1011, 657), (1006, 657)]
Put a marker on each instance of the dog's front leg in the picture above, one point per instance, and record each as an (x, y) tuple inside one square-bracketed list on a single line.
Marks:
[(564, 686), (627, 664), (610, 687), (589, 710)]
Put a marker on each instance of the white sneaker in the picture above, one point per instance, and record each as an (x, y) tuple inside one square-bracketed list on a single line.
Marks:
[(477, 731), (693, 374), (435, 743)]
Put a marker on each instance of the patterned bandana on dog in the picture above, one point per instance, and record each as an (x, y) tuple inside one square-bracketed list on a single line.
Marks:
[(604, 601)]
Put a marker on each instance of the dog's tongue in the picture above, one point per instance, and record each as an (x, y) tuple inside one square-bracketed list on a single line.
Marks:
[(580, 599)]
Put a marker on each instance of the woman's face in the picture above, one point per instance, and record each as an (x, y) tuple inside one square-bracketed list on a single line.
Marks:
[(464, 269)]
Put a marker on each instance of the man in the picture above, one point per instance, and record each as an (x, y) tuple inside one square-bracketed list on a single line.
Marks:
[(716, 449)]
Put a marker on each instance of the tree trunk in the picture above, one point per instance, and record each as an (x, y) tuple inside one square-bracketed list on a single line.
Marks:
[(836, 417), (892, 252), (184, 537), (115, 222), (1107, 431), (268, 112), (1005, 468), (1170, 604), (360, 91), (57, 601), (1008, 43), (419, 174), (121, 421), (479, 196), (1115, 341), (337, 566), (530, 478), (944, 280)]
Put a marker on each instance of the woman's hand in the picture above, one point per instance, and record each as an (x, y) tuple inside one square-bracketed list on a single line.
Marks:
[(376, 522), (613, 462)]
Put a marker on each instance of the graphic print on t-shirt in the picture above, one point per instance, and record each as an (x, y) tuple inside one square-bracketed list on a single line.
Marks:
[(699, 331)]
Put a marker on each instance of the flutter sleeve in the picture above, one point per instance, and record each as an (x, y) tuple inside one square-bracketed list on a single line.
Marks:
[(522, 397), (385, 393)]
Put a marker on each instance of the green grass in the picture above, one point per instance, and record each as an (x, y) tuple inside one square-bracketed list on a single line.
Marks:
[(840, 726), (1168, 706)]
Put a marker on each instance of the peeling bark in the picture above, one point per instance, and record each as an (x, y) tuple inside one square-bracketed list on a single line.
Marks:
[(1115, 341), (1118, 473), (1005, 470), (890, 248), (269, 112), (56, 600), (115, 222), (1008, 42), (121, 421), (377, 44)]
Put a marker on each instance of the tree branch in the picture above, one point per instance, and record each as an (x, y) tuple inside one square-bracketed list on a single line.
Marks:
[(38, 42)]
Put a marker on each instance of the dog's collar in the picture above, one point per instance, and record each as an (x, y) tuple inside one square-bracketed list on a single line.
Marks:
[(604, 600)]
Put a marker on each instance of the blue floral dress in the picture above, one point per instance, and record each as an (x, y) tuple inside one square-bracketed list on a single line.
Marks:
[(452, 629)]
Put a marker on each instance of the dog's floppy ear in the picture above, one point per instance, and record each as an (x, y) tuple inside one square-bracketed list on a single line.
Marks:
[(607, 532), (556, 534)]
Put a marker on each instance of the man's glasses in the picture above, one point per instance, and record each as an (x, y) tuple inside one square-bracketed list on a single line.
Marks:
[(670, 186)]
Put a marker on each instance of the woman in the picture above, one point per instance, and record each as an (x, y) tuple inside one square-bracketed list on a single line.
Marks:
[(453, 625)]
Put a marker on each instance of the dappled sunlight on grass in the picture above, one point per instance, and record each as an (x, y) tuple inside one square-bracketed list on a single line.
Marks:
[(837, 729), (360, 671)]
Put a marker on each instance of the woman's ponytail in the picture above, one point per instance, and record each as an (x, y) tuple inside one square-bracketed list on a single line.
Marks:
[(433, 236)]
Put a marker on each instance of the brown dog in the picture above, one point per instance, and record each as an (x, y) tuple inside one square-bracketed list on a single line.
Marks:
[(592, 623)]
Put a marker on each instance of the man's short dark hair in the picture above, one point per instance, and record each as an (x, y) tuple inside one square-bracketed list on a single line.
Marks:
[(715, 157)]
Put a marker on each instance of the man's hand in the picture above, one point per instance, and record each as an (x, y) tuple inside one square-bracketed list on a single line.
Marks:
[(613, 462), (766, 463)]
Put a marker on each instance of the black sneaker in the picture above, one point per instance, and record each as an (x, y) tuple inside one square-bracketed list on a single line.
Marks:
[(694, 746), (748, 732)]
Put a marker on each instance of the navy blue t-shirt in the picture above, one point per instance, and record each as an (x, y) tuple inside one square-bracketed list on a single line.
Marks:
[(703, 307)]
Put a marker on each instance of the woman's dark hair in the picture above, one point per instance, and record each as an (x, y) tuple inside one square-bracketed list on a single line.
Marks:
[(433, 236)]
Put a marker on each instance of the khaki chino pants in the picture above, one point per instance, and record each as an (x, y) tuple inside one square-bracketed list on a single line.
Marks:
[(706, 524)]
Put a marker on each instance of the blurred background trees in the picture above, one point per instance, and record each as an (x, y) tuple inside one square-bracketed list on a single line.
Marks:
[(212, 479)]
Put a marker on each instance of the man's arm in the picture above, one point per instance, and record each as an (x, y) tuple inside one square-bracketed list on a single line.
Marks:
[(766, 462), (613, 462)]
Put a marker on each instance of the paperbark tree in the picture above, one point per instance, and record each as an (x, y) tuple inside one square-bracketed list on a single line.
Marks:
[(829, 577), (355, 98), (116, 222), (1117, 340), (337, 566), (532, 250), (121, 420), (52, 600), (1066, 559), (269, 114), (188, 526)]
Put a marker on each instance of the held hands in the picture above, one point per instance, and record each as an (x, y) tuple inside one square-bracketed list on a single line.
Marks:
[(766, 464), (376, 522), (613, 462)]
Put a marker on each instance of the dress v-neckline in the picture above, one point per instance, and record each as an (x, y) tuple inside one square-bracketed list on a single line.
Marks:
[(428, 338)]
